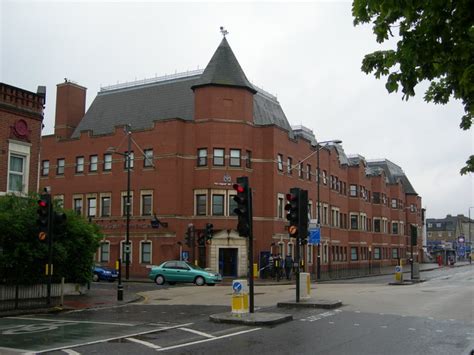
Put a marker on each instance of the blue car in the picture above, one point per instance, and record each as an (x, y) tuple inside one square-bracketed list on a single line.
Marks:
[(104, 273)]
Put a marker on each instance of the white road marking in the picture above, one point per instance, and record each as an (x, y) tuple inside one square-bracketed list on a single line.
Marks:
[(357, 311), (317, 317), (114, 338), (208, 339), (331, 322), (383, 326), (197, 332), (71, 352), (145, 343), (70, 321), (356, 324), (430, 318), (452, 320), (439, 331), (15, 350), (411, 329)]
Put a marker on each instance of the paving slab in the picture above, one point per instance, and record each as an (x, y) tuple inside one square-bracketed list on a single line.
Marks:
[(257, 318), (311, 303)]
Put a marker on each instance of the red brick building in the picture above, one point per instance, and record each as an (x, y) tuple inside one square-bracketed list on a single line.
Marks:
[(21, 117), (192, 135)]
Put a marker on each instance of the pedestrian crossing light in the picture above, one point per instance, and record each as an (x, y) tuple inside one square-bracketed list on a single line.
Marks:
[(243, 206)]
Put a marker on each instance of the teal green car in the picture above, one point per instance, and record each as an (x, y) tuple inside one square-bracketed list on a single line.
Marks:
[(174, 271)]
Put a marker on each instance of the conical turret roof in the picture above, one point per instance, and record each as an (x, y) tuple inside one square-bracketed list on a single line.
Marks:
[(224, 70)]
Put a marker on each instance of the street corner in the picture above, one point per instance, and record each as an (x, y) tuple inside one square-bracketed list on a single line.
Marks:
[(311, 303), (258, 318)]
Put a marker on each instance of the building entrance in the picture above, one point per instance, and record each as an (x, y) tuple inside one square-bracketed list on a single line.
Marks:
[(228, 261)]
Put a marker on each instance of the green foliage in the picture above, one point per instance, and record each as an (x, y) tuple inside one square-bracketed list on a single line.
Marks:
[(23, 256), (436, 43)]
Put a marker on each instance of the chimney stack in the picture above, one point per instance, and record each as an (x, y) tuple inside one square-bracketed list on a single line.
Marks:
[(70, 108)]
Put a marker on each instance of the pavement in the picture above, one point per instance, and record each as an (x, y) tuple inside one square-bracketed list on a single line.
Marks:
[(107, 297)]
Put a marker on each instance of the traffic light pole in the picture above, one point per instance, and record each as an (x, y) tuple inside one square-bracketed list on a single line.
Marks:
[(50, 250), (297, 257), (250, 248)]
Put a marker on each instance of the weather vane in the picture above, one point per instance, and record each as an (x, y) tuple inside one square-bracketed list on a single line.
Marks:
[(224, 31)]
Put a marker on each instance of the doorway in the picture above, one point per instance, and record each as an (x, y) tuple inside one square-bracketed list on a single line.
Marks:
[(228, 262)]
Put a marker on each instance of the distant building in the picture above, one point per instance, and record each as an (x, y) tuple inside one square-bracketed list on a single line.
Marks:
[(21, 117), (446, 232), (192, 135)]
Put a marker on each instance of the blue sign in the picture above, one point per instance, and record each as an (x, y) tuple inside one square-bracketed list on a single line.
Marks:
[(185, 255), (237, 287), (461, 251), (315, 236)]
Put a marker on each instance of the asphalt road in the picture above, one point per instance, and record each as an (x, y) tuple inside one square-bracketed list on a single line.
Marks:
[(434, 317)]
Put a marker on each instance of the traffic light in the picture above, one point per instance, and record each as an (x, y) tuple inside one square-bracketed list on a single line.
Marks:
[(292, 210), (413, 234), (209, 232), (304, 218), (59, 218), (297, 213), (243, 206), (190, 236), (201, 239), (43, 215)]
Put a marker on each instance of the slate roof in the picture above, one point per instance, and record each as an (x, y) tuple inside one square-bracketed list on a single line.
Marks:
[(141, 105), (224, 69), (394, 173)]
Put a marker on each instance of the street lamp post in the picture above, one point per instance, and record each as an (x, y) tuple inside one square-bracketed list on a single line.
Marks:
[(127, 234), (319, 146), (128, 131)]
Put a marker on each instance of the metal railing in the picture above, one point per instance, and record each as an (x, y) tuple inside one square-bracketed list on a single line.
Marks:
[(343, 271), (152, 80)]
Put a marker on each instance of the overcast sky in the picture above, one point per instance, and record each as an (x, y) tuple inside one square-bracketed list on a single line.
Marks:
[(307, 54)]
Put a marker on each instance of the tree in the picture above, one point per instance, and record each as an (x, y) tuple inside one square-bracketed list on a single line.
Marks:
[(436, 43), (23, 256)]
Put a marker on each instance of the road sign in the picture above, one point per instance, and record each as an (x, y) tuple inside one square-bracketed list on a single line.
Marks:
[(461, 251), (42, 236), (292, 230), (315, 235), (398, 268), (237, 287)]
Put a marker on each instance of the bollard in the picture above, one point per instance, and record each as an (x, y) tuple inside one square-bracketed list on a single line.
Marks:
[(240, 297), (118, 266), (399, 274), (120, 292), (305, 286)]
